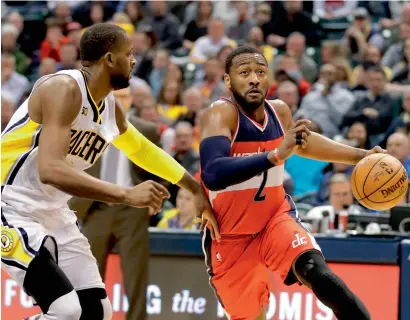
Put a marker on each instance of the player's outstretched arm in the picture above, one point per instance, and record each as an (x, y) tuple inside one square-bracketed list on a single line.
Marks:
[(55, 104), (320, 147), (218, 169)]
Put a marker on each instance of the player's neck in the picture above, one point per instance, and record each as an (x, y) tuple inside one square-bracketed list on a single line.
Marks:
[(98, 83), (257, 115)]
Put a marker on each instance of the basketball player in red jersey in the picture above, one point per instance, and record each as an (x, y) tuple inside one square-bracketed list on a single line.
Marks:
[(244, 142)]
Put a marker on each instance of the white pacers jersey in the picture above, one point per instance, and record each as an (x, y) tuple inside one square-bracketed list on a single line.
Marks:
[(91, 131)]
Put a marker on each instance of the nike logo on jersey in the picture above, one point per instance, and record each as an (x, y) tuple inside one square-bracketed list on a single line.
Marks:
[(84, 111), (87, 145)]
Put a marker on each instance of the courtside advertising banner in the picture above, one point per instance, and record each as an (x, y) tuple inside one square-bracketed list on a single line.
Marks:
[(179, 289)]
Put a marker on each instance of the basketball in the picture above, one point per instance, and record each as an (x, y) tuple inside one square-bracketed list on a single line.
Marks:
[(379, 181)]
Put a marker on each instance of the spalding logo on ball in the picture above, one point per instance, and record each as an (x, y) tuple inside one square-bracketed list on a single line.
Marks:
[(379, 181)]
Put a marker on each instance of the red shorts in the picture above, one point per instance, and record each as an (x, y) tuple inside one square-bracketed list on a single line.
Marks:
[(238, 265)]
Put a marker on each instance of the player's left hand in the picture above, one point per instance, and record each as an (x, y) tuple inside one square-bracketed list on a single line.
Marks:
[(208, 218), (375, 149)]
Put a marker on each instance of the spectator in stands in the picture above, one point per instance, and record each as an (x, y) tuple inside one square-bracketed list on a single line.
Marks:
[(68, 55), (192, 99), (170, 102), (175, 73), (47, 66), (122, 20), (143, 51), (372, 57), (255, 39), (183, 216), (212, 86), (375, 109), (148, 111), (340, 197), (51, 46), (333, 9), (240, 30), (329, 171), (96, 13), (223, 54), (74, 30), (9, 36), (230, 13), (394, 53), (400, 70), (361, 34), (209, 45), (24, 41), (294, 19), (332, 50), (183, 153), (328, 104), (140, 93), (63, 11), (12, 82), (134, 11), (400, 122), (306, 173), (399, 12), (164, 25), (197, 28), (357, 136), (288, 70), (288, 93), (398, 146), (296, 46), (264, 19), (343, 73), (160, 67), (8, 106)]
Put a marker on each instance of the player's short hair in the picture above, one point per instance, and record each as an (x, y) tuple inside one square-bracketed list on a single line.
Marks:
[(237, 52), (99, 39)]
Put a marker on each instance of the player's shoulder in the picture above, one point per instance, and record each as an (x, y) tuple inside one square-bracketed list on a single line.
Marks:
[(222, 106), (220, 112), (61, 86)]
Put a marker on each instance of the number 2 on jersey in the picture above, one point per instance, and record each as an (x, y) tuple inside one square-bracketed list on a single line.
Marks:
[(258, 196)]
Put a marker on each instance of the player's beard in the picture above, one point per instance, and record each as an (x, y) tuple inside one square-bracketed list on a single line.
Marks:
[(244, 103), (119, 81)]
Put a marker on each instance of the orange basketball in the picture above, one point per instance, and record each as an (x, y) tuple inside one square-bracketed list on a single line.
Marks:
[(379, 181)]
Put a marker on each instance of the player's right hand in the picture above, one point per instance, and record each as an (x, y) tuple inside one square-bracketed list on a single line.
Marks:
[(148, 194), (294, 138)]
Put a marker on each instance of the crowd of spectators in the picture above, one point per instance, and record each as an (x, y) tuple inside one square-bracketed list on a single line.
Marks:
[(342, 64)]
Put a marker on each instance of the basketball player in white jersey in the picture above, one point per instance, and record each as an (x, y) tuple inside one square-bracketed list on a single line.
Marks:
[(60, 130)]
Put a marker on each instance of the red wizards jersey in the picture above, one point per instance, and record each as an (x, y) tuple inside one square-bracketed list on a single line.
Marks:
[(247, 207)]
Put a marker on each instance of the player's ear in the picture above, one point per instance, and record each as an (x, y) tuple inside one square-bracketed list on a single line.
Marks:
[(227, 80), (109, 59)]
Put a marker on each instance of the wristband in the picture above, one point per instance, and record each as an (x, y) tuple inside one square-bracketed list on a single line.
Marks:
[(276, 156)]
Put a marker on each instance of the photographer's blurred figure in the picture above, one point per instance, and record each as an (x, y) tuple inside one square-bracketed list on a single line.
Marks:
[(183, 216)]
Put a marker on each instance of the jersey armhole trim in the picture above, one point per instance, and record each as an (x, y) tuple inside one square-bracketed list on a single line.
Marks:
[(276, 116)]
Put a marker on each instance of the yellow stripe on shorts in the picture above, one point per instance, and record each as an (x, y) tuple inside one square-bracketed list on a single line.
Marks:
[(13, 247)]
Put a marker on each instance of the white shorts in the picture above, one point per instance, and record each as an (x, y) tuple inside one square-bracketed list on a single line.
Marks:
[(22, 237)]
